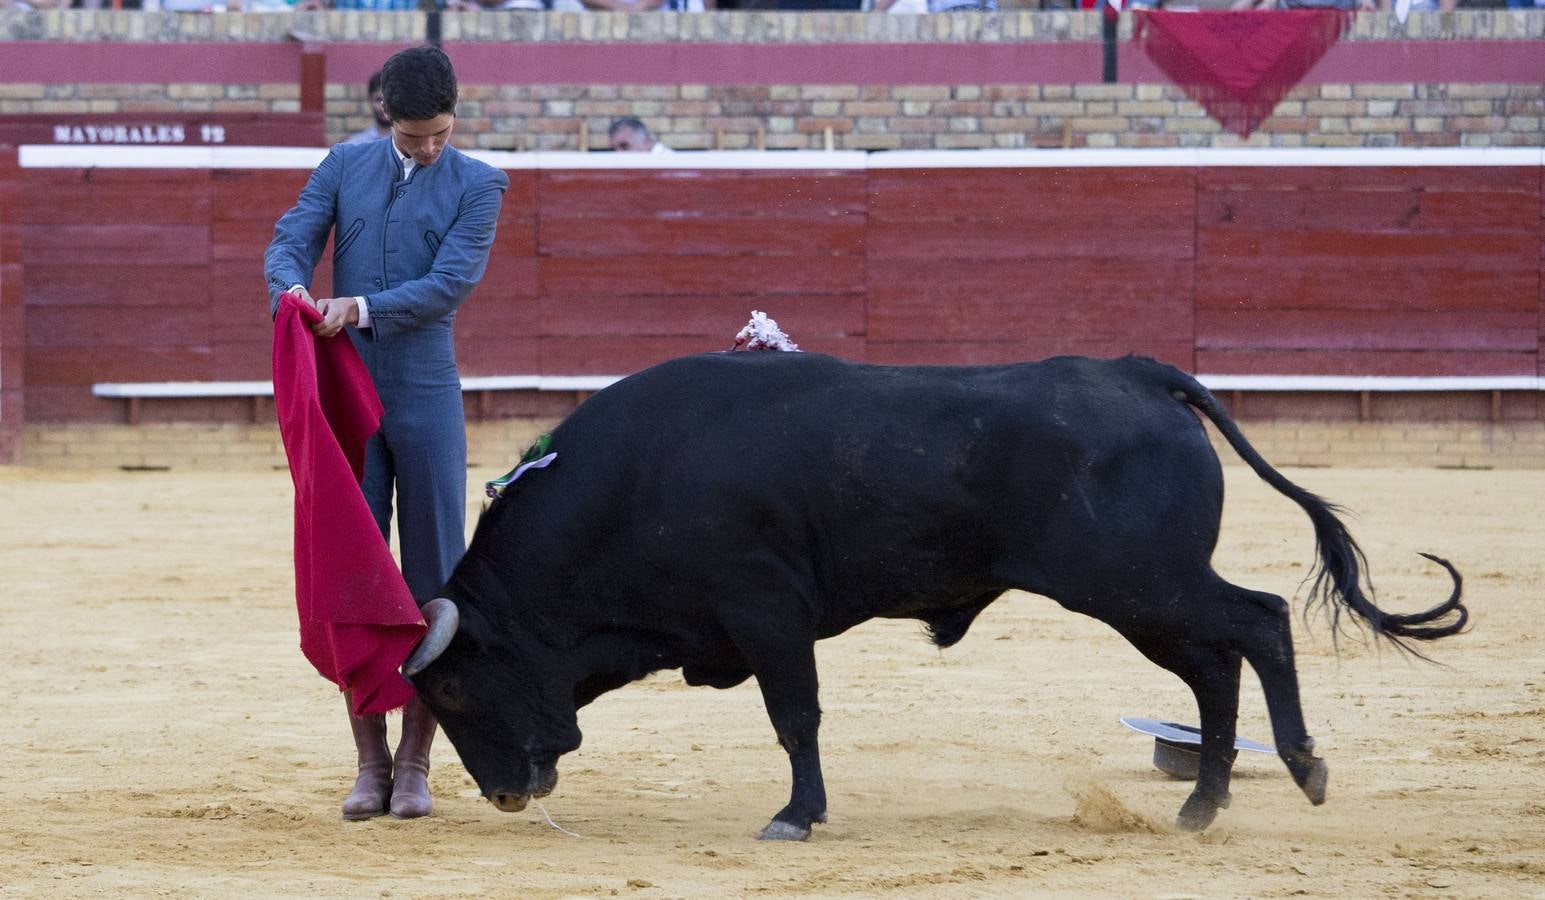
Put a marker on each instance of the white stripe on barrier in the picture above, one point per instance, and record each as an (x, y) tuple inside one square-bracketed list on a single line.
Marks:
[(1205, 157), (504, 159), (538, 382), (184, 389), (1371, 156), (50, 156), (579, 382), (1035, 159), (1375, 383), (1302, 383), (707, 159), (501, 383)]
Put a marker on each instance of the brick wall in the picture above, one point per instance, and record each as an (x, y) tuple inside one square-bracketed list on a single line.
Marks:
[(1446, 445), (880, 117), (229, 445), (528, 114), (18, 98), (876, 117)]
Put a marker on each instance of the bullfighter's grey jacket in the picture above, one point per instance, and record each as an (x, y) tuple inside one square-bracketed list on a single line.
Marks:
[(413, 249)]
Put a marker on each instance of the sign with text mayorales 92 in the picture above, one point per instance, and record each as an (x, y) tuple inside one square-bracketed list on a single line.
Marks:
[(176, 129)]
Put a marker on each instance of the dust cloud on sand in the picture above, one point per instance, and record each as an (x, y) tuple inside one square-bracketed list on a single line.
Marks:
[(164, 736)]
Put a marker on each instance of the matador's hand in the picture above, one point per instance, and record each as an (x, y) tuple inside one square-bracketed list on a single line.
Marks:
[(336, 313)]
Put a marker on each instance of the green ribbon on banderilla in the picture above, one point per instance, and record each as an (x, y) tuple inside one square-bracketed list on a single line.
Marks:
[(538, 456)]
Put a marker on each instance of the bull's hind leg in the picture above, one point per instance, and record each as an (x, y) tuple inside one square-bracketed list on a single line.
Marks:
[(1212, 674), (781, 651), (1265, 638), (1214, 681)]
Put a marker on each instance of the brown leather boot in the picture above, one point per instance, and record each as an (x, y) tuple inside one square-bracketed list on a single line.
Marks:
[(374, 784), (410, 784)]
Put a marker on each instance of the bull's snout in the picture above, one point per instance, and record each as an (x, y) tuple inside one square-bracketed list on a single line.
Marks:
[(544, 781), (541, 784), (509, 802)]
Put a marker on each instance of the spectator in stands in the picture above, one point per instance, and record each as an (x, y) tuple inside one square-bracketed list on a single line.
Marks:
[(500, 5), (1366, 5), (223, 5), (274, 5), (1422, 6), (935, 6), (379, 5), (398, 290), (814, 5), (382, 126), (1305, 4), (631, 135), (648, 5)]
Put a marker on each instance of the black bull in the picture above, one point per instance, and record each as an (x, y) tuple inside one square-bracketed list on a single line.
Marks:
[(722, 513)]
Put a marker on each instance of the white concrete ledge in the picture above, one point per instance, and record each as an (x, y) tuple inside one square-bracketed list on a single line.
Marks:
[(183, 389), (204, 389), (1372, 383), (1300, 383), (1206, 157), (72, 156), (699, 160), (538, 382)]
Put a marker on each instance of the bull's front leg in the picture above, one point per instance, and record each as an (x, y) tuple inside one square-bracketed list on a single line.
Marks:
[(783, 659), (807, 800)]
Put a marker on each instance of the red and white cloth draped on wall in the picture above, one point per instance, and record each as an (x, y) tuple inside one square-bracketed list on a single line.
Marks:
[(1238, 64)]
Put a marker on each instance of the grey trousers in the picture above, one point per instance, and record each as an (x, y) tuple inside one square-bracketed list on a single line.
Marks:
[(421, 453)]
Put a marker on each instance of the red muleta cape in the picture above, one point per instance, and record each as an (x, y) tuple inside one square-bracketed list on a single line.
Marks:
[(358, 622)]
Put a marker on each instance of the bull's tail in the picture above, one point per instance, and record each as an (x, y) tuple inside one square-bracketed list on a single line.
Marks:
[(1339, 576)]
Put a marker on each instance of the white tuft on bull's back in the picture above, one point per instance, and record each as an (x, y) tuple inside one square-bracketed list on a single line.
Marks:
[(762, 333)]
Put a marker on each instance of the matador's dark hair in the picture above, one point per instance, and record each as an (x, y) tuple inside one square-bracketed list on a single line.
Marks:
[(418, 83)]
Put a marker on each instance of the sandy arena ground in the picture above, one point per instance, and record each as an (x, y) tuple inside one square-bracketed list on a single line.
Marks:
[(164, 736)]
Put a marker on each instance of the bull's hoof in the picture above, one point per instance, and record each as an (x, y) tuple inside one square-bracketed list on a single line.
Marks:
[(1198, 812), (1313, 782), (783, 831), (1309, 771)]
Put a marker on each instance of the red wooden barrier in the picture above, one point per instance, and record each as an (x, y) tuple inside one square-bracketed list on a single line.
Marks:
[(636, 269), (1368, 271), (152, 275), (12, 309), (993, 265)]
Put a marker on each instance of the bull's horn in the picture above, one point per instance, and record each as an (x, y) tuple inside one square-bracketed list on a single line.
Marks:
[(443, 617)]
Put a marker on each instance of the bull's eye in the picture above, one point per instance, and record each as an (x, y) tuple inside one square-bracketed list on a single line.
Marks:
[(448, 693)]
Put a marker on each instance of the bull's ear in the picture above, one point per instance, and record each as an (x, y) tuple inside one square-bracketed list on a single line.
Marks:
[(443, 618)]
